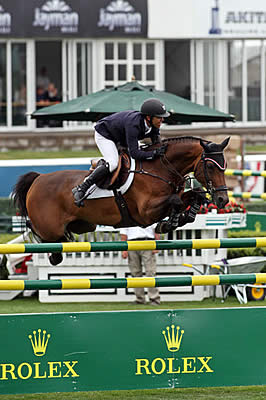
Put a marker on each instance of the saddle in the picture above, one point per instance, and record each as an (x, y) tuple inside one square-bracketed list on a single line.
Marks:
[(117, 178)]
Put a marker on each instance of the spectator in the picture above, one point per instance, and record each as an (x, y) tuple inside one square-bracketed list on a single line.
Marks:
[(21, 95), (143, 258), (19, 110), (42, 101), (43, 79), (52, 93), (41, 96)]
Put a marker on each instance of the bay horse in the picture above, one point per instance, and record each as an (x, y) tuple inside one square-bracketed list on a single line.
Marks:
[(157, 192)]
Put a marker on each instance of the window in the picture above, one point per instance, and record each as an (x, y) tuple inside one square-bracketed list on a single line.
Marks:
[(235, 66), (84, 71), (3, 94), (233, 76), (209, 73), (19, 91), (13, 88), (48, 77), (253, 59), (123, 60)]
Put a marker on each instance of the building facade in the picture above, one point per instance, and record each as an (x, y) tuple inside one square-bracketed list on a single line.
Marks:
[(211, 52)]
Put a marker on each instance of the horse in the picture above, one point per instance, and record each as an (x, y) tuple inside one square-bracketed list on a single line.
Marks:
[(156, 193)]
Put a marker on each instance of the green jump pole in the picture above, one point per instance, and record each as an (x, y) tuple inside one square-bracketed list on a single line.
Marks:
[(248, 195), (244, 172), (131, 245), (198, 280)]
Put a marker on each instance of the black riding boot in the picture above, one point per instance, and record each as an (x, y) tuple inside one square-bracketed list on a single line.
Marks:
[(100, 172)]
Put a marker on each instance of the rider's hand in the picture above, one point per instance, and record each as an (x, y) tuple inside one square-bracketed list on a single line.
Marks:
[(160, 151), (156, 140), (124, 254)]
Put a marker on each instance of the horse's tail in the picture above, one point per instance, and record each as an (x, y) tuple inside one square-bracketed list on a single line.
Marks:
[(20, 191)]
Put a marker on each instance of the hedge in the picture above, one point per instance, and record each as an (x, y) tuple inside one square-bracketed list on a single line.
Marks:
[(246, 252), (6, 207)]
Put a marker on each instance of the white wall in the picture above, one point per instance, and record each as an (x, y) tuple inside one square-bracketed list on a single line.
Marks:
[(193, 18), (176, 18)]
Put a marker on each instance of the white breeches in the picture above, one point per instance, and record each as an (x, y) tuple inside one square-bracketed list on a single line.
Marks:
[(108, 149)]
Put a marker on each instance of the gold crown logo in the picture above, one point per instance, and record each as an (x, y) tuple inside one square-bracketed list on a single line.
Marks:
[(173, 338), (39, 342)]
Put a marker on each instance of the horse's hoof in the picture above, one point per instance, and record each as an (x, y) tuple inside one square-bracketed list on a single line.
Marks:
[(162, 227), (55, 258)]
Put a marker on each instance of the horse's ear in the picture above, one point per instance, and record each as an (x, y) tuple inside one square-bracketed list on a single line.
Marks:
[(225, 142), (203, 144)]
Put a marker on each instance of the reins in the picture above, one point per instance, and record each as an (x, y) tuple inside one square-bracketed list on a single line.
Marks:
[(167, 164), (142, 171)]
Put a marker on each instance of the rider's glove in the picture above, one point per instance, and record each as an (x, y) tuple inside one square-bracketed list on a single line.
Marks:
[(160, 151), (156, 139)]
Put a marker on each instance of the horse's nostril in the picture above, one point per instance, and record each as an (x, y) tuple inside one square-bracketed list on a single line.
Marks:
[(221, 201)]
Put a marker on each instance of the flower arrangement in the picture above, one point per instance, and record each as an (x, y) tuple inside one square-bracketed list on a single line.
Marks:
[(231, 207)]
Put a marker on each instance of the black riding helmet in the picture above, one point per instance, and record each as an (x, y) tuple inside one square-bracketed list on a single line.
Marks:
[(154, 108)]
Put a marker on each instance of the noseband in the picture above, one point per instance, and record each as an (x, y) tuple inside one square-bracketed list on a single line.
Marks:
[(217, 158)]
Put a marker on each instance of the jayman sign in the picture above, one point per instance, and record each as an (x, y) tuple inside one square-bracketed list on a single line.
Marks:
[(72, 18)]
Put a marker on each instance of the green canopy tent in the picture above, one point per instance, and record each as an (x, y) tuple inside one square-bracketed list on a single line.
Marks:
[(129, 96)]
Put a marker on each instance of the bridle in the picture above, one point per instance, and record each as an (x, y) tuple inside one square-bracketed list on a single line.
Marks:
[(217, 158)]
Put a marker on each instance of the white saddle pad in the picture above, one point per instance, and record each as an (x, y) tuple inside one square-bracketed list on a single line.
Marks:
[(100, 193)]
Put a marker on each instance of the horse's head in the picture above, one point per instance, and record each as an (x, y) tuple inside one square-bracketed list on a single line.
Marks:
[(209, 171)]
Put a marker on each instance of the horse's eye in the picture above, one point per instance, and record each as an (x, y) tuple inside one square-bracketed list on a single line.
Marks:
[(210, 166)]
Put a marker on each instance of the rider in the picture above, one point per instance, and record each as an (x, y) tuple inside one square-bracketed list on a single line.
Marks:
[(124, 128)]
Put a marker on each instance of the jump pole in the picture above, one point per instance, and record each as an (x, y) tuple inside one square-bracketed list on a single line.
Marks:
[(244, 172), (131, 245), (248, 195), (66, 284)]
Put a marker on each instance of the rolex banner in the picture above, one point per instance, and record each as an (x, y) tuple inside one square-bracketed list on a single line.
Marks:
[(132, 350)]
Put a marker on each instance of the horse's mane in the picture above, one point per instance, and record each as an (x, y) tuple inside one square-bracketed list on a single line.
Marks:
[(178, 139), (183, 139)]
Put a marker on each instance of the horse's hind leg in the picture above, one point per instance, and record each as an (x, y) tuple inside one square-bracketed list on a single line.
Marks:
[(78, 227), (55, 258)]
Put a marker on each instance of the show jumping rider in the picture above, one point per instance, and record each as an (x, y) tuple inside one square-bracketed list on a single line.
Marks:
[(125, 128)]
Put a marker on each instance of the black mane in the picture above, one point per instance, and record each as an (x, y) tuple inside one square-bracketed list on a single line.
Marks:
[(184, 139), (181, 139)]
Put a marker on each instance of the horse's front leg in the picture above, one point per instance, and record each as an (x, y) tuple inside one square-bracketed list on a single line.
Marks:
[(175, 206), (193, 198)]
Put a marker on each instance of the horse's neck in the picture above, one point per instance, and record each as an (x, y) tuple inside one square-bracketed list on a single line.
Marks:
[(185, 156)]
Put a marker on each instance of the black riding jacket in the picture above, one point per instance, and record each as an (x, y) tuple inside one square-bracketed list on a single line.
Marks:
[(126, 128)]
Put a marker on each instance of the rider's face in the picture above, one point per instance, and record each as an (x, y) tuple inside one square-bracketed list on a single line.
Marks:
[(156, 121)]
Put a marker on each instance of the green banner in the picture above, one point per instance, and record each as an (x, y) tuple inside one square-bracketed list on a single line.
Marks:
[(132, 350)]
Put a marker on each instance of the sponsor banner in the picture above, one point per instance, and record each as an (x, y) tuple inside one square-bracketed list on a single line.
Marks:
[(209, 18), (73, 18), (132, 350)]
